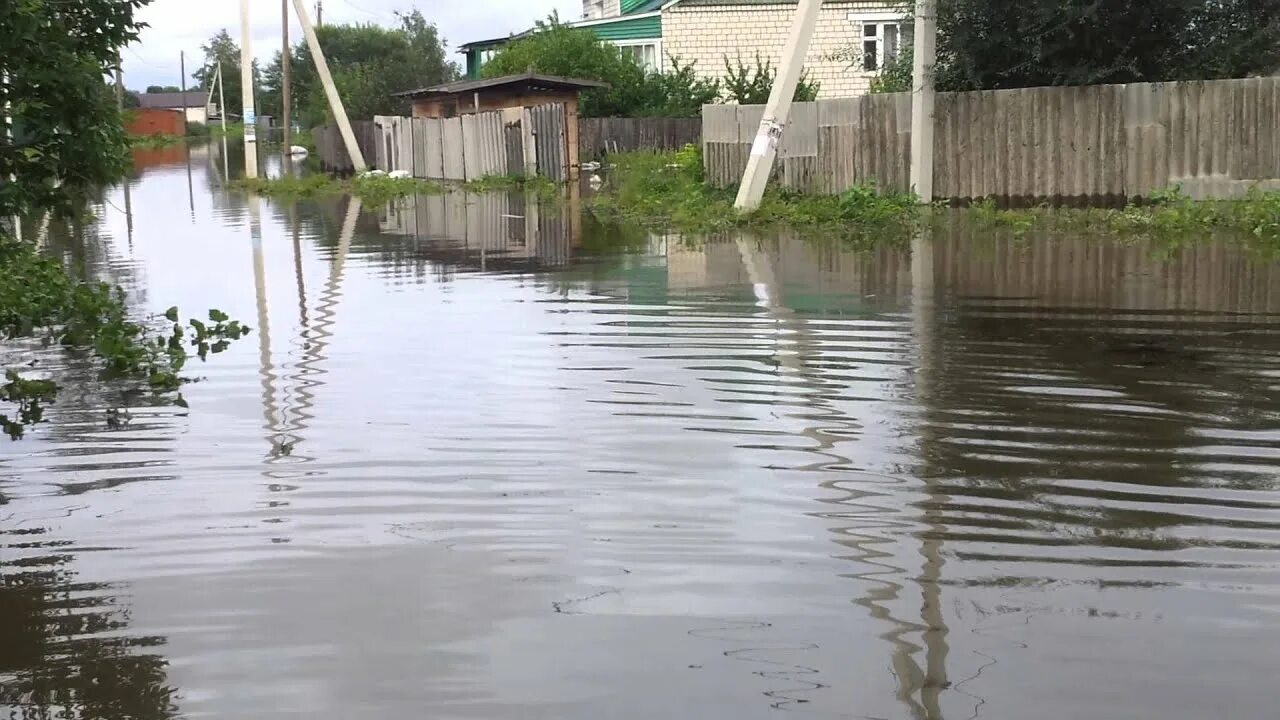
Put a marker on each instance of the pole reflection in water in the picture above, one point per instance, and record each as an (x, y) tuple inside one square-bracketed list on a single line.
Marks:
[(280, 445), (191, 193), (933, 681)]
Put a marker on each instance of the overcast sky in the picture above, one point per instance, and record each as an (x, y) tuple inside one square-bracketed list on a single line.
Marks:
[(178, 25)]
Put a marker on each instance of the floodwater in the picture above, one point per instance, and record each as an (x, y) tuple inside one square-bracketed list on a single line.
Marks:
[(482, 459)]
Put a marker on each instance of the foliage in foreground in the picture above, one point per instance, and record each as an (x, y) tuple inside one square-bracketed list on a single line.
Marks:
[(68, 137), (39, 299), (667, 191)]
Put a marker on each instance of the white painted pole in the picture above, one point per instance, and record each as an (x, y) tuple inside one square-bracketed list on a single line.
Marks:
[(248, 114), (924, 54), (765, 147), (330, 91)]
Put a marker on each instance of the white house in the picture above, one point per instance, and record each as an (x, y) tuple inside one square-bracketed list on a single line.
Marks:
[(853, 41)]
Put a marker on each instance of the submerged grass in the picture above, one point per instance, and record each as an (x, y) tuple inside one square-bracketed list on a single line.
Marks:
[(667, 191), (1167, 216), (39, 299), (379, 188), (156, 141)]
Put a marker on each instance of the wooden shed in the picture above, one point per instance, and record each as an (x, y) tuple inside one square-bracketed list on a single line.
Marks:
[(506, 94)]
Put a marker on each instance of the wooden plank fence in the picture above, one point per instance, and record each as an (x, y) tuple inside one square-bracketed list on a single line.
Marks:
[(332, 151), (1103, 143), (598, 137)]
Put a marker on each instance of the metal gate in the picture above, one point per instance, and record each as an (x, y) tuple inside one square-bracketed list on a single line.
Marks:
[(549, 138)]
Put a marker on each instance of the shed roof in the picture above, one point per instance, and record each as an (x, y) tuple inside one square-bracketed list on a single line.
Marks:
[(172, 100), (528, 81)]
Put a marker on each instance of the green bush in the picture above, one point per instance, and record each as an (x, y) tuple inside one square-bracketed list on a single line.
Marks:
[(751, 85)]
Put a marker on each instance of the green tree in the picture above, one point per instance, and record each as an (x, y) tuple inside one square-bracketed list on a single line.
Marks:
[(369, 63), (164, 88), (677, 92), (221, 49), (988, 44), (68, 134), (131, 99), (558, 49)]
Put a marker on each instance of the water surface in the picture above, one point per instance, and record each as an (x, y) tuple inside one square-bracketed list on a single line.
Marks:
[(484, 459)]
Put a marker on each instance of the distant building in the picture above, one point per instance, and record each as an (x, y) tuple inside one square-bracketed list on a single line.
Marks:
[(193, 103), (155, 121), (853, 42)]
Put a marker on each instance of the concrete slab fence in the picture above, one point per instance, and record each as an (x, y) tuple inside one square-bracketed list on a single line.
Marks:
[(1102, 143)]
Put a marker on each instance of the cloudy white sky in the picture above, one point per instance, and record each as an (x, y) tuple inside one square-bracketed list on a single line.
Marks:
[(178, 25)]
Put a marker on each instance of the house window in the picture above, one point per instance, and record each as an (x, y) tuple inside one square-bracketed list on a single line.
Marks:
[(647, 53), (883, 39)]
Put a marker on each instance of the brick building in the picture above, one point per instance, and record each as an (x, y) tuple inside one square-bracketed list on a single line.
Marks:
[(853, 42)]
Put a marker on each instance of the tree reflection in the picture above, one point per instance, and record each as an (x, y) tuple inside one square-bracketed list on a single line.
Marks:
[(65, 652)]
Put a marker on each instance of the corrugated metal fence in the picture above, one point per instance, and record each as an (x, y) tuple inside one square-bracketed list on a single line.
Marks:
[(1215, 138), (469, 147), (495, 143)]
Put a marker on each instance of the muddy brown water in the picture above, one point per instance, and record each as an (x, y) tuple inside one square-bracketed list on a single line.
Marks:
[(482, 459)]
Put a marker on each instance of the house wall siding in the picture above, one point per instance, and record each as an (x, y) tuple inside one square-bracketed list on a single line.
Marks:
[(634, 29), (706, 34)]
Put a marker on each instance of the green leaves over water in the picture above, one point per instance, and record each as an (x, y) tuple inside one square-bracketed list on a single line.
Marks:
[(38, 299)]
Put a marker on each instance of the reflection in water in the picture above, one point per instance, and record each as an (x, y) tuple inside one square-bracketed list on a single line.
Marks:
[(525, 465), (66, 651)]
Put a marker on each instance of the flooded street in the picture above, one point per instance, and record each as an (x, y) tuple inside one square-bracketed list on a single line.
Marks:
[(484, 459)]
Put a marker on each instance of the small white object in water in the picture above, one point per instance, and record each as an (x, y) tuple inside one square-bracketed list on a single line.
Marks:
[(297, 150), (595, 182), (398, 174), (591, 166)]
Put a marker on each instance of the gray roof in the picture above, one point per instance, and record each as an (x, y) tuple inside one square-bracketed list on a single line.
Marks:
[(172, 100), (530, 80)]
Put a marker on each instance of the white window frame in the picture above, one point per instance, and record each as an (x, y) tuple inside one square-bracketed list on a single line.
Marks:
[(880, 20), (660, 59)]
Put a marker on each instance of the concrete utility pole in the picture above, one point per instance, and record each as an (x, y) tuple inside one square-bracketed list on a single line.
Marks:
[(182, 68), (331, 92), (248, 116), (924, 57), (285, 83), (765, 147)]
